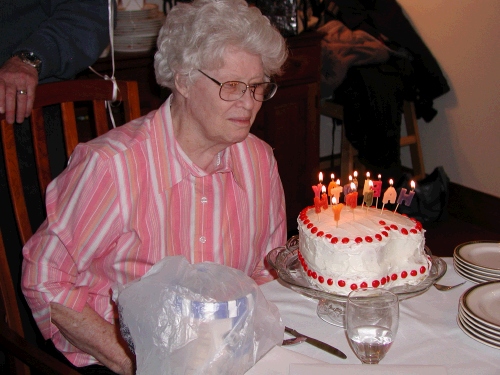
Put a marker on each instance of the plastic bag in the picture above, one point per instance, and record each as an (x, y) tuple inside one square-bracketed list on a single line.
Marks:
[(203, 318)]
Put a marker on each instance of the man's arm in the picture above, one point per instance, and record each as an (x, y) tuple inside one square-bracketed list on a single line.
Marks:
[(92, 334), (72, 38)]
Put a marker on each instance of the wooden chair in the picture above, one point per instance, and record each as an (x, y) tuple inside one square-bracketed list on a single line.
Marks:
[(412, 139), (19, 352), (66, 94)]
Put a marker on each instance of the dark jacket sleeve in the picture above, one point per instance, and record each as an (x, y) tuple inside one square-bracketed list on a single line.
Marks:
[(71, 38)]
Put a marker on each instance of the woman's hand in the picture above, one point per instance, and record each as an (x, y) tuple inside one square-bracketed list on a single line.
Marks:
[(95, 336)]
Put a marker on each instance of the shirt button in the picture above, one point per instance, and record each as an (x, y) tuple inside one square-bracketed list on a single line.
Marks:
[(203, 239), (204, 200)]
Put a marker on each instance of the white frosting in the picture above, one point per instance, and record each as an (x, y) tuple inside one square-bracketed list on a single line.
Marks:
[(369, 246)]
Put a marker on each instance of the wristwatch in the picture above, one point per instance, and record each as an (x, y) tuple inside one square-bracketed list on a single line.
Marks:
[(30, 58)]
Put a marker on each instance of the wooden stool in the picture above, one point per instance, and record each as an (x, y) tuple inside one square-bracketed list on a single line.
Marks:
[(412, 139)]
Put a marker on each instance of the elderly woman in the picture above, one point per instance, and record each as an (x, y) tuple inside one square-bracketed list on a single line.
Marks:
[(187, 179)]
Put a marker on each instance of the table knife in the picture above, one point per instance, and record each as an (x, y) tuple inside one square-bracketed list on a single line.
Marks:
[(319, 344)]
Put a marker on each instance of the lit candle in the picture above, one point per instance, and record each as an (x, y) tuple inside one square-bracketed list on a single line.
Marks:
[(352, 198), (390, 195), (336, 208), (347, 187), (377, 188), (368, 195), (317, 188), (324, 198), (367, 186), (355, 179), (331, 185), (405, 197), (336, 191)]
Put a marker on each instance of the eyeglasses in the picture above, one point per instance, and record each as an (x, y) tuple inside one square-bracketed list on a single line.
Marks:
[(233, 90)]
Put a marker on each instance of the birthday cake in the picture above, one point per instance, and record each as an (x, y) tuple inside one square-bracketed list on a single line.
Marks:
[(364, 247)]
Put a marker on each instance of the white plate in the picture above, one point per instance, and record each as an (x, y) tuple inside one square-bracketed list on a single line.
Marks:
[(474, 276), (479, 272), (482, 254), (478, 326), (468, 276), (483, 301), (475, 336)]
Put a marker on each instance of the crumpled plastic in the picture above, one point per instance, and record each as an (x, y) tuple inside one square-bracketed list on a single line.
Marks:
[(204, 318)]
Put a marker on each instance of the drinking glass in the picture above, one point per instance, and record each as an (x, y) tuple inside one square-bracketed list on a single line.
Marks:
[(371, 323)]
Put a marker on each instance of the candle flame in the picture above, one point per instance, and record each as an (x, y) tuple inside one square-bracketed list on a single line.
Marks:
[(379, 176), (391, 182), (332, 176), (320, 176), (353, 186), (412, 184), (350, 178), (355, 174), (338, 181), (323, 189), (368, 175)]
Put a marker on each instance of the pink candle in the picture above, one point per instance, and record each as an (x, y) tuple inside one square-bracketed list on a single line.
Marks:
[(377, 188), (317, 205), (317, 188)]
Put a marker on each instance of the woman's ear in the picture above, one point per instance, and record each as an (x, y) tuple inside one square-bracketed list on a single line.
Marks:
[(182, 85)]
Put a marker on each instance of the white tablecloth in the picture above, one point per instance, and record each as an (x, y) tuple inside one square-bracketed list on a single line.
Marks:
[(428, 334)]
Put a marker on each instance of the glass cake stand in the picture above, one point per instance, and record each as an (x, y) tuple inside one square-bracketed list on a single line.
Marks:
[(284, 260)]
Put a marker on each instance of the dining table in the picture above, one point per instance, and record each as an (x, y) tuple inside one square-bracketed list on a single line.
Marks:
[(428, 341)]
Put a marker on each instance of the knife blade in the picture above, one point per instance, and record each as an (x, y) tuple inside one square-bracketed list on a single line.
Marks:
[(317, 343)]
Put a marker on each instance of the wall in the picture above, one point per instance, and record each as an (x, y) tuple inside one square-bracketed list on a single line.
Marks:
[(464, 137)]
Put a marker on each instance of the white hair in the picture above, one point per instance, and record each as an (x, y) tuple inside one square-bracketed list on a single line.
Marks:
[(197, 34)]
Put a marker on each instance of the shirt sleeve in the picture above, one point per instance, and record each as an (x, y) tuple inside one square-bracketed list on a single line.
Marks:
[(82, 224), (277, 233), (72, 38)]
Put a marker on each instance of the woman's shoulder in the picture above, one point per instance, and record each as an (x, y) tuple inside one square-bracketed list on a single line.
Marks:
[(255, 142)]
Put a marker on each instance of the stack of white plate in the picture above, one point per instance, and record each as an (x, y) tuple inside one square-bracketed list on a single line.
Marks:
[(137, 30), (478, 261), (479, 313)]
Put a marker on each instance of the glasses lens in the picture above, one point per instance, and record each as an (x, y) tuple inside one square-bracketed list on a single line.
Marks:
[(264, 91), (232, 90)]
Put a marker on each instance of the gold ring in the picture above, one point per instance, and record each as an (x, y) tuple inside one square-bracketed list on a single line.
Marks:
[(22, 92)]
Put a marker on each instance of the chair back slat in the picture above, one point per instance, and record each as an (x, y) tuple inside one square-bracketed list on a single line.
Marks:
[(15, 183), (100, 117), (130, 94), (40, 150), (70, 130)]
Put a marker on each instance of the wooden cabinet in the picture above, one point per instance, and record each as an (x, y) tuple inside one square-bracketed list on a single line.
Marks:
[(289, 122)]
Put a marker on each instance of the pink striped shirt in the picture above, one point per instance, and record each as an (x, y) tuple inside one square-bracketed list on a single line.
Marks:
[(131, 197)]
